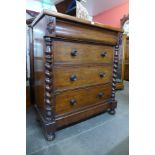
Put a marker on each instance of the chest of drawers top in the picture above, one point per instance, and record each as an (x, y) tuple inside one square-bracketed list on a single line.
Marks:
[(65, 26)]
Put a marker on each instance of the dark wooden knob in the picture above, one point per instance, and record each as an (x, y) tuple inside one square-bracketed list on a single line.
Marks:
[(102, 74), (74, 52), (100, 94), (103, 54), (73, 77), (73, 102)]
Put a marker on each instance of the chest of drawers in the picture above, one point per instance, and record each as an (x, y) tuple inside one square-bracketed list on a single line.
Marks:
[(73, 66)]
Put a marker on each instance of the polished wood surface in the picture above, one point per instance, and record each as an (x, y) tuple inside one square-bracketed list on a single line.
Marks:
[(38, 67), (73, 19), (74, 65), (122, 59), (82, 76), (123, 56), (126, 70), (28, 102), (29, 59), (74, 31), (83, 114), (81, 53), (119, 85), (39, 95), (74, 100)]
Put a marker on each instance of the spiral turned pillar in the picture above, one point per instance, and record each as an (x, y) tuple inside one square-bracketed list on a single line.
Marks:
[(115, 67), (48, 93)]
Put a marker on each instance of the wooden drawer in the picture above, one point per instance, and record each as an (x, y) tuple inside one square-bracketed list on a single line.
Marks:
[(79, 53), (75, 31), (73, 100), (74, 77)]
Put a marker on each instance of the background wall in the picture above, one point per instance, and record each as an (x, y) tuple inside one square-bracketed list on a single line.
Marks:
[(112, 16), (38, 5)]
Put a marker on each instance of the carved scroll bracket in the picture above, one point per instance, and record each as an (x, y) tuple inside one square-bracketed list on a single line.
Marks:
[(51, 25)]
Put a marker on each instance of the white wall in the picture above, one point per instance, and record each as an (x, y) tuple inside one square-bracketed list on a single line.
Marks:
[(36, 5)]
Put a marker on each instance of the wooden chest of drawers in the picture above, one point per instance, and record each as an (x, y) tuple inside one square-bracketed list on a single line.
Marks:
[(73, 65)]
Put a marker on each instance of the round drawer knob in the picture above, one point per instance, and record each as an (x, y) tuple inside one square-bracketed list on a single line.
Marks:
[(103, 54), (73, 77), (100, 94), (74, 52), (73, 102), (102, 74)]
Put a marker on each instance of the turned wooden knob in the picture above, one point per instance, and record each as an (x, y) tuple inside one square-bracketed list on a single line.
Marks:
[(73, 77), (103, 54), (73, 102), (102, 74), (74, 52), (100, 94)]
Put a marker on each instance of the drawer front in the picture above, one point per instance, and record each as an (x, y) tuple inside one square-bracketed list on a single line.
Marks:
[(73, 100), (75, 31), (78, 53), (74, 77)]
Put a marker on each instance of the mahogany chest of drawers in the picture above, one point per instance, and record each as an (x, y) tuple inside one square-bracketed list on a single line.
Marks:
[(73, 65)]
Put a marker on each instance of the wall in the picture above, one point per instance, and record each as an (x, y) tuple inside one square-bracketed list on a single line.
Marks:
[(112, 16), (38, 5)]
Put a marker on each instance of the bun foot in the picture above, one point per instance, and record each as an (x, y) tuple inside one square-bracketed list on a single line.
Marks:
[(49, 131), (112, 111), (50, 137)]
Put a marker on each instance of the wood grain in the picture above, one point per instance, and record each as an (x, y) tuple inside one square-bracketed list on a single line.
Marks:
[(28, 102), (126, 70), (86, 75), (82, 114), (73, 19), (83, 97), (85, 53), (71, 86), (76, 31)]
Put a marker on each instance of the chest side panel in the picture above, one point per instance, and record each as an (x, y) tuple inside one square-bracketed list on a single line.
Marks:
[(39, 48)]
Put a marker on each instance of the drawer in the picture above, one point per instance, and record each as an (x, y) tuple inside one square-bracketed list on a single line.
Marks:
[(75, 31), (80, 53), (74, 77), (73, 100)]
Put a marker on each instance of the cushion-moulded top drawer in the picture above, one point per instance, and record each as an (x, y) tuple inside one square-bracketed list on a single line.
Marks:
[(83, 32)]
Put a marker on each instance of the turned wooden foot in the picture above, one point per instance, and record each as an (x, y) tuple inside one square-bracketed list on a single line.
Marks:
[(49, 126), (49, 131), (50, 137), (112, 111)]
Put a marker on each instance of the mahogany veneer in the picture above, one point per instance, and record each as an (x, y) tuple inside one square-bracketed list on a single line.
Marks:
[(74, 65)]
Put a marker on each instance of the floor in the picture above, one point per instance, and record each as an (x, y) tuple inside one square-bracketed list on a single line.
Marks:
[(101, 135)]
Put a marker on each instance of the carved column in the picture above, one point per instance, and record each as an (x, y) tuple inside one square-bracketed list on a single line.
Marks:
[(49, 121), (115, 67), (48, 80), (47, 116)]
